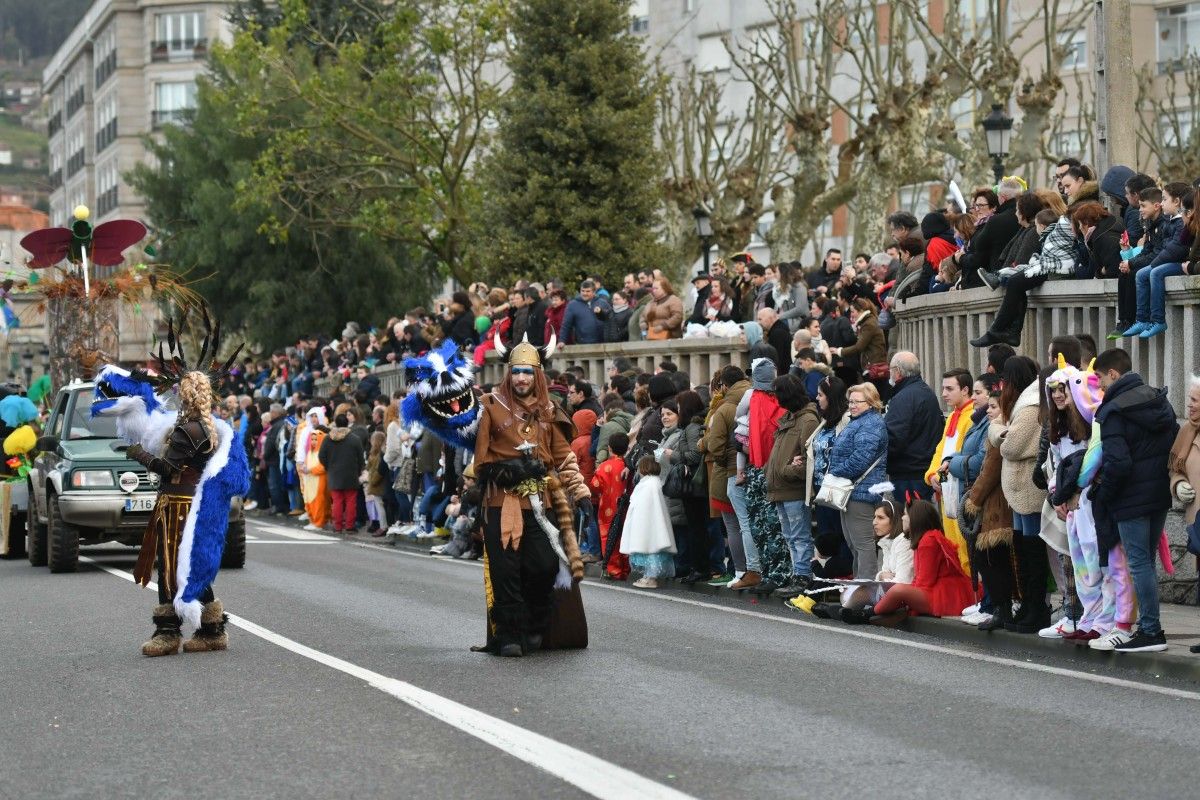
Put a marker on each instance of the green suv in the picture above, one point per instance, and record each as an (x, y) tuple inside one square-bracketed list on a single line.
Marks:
[(83, 490)]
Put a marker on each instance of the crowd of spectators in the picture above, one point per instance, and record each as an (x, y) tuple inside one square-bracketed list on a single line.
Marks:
[(831, 472)]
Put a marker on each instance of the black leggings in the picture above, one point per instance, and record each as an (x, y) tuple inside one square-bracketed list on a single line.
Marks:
[(522, 580), (698, 544)]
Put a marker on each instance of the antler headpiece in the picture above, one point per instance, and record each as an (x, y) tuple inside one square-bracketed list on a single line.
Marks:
[(172, 364)]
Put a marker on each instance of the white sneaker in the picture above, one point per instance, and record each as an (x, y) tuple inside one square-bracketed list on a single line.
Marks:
[(426, 535), (250, 506), (437, 549), (969, 610), (303, 517), (1110, 640), (311, 527), (737, 576), (1057, 629), (978, 618)]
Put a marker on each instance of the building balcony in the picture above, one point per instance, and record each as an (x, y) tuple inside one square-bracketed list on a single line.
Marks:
[(56, 179), (75, 102), (178, 50), (171, 116), (75, 163), (55, 124), (106, 68)]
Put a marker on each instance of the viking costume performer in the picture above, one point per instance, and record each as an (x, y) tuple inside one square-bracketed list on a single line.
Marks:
[(524, 462), (203, 465)]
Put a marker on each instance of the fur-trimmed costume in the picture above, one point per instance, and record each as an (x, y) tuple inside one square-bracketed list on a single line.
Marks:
[(200, 475)]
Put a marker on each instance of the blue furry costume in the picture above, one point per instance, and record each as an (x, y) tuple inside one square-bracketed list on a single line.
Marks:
[(203, 466)]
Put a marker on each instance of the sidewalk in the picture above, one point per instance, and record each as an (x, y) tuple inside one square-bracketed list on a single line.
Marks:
[(1181, 623)]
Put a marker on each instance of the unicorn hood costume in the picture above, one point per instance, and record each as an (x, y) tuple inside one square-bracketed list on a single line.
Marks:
[(203, 465)]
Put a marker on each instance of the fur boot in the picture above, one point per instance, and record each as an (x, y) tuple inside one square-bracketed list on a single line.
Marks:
[(211, 634), (166, 638)]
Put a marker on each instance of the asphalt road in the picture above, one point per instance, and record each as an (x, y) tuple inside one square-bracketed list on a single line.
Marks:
[(364, 687)]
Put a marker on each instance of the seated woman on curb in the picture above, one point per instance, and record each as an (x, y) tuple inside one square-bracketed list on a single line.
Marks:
[(939, 587), (896, 566)]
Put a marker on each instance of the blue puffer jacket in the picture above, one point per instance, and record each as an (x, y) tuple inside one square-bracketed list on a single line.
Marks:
[(864, 440), (967, 462), (1137, 431)]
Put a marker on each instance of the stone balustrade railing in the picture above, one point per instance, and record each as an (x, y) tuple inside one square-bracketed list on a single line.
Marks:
[(699, 357), (939, 327)]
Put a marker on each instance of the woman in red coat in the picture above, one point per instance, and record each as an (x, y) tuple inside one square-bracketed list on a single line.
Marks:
[(939, 587)]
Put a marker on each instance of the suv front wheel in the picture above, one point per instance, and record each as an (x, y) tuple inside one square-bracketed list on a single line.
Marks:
[(62, 540)]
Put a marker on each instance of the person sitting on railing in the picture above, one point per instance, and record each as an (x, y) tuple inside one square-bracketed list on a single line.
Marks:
[(1179, 235), (1055, 259)]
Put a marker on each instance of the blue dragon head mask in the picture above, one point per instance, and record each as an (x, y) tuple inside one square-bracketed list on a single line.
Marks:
[(441, 396), (120, 392)]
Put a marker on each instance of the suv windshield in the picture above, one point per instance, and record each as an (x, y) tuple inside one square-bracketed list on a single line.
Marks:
[(81, 425)]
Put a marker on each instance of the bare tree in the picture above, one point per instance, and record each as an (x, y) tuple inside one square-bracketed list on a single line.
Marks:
[(724, 161), (1167, 133)]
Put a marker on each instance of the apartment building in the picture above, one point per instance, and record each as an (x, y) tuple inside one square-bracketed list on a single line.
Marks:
[(128, 68), (683, 32)]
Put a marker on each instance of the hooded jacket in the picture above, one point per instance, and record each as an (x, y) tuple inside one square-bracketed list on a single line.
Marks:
[(584, 420), (343, 459), (718, 441), (914, 424), (935, 570), (785, 480), (1177, 241), (1137, 430), (1113, 185), (1159, 232), (967, 463), (616, 422)]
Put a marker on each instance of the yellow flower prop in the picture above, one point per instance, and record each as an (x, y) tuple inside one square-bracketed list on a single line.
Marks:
[(20, 441)]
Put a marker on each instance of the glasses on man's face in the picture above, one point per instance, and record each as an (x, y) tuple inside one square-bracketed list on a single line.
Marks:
[(522, 370)]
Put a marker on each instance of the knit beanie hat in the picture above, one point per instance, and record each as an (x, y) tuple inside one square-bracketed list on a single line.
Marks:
[(762, 374), (661, 388)]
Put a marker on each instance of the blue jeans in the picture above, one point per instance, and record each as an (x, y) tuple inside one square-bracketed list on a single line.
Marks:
[(279, 498), (796, 518), (1027, 524), (1139, 536), (737, 499), (425, 510), (589, 537), (1151, 292)]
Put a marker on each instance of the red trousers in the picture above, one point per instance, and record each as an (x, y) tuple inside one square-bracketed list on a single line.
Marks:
[(345, 509), (904, 595)]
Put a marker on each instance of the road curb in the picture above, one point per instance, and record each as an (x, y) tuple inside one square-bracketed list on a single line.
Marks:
[(1176, 663)]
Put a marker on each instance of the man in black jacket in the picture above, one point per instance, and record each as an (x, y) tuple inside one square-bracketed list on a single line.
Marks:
[(1137, 429), (777, 334), (275, 481), (981, 259), (915, 425)]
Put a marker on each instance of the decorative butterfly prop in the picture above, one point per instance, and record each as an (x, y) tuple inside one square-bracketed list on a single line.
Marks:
[(103, 245)]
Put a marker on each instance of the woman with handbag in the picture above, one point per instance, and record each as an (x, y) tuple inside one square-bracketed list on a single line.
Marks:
[(687, 460), (673, 481), (835, 416), (663, 317), (871, 346), (859, 456)]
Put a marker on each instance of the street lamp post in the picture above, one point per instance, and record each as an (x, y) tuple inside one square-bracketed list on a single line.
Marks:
[(997, 128), (704, 231)]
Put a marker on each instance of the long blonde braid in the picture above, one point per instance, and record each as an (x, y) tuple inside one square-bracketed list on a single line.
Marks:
[(196, 402)]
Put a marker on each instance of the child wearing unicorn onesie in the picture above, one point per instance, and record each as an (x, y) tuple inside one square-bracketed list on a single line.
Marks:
[(1105, 591)]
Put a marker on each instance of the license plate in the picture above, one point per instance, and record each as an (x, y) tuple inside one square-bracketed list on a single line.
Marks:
[(140, 503)]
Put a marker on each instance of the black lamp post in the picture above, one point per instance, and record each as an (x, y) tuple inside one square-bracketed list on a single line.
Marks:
[(997, 128), (704, 231)]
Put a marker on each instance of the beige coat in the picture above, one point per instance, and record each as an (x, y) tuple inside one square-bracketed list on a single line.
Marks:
[(1191, 474), (1019, 448)]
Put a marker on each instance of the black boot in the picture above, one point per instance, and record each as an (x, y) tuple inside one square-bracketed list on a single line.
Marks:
[(857, 616), (988, 339), (1035, 614), (1000, 618)]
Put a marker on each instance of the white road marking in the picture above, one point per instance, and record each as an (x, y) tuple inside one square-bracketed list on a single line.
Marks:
[(292, 541), (293, 533), (1107, 680), (593, 775), (250, 538)]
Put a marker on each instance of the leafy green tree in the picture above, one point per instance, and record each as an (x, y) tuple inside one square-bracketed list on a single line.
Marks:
[(372, 132), (573, 185), (273, 288)]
